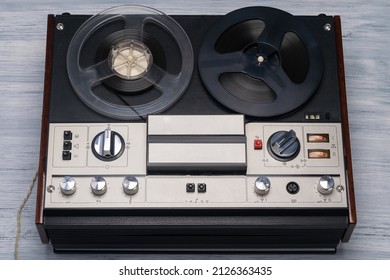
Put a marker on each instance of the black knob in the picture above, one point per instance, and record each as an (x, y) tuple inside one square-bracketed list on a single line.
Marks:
[(284, 145)]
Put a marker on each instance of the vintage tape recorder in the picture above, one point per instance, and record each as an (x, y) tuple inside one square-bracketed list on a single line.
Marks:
[(195, 133)]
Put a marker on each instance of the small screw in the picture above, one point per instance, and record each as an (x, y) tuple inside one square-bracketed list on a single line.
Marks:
[(50, 188), (60, 26), (340, 188), (327, 27)]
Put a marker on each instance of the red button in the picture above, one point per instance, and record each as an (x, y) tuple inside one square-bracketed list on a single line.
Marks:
[(257, 144)]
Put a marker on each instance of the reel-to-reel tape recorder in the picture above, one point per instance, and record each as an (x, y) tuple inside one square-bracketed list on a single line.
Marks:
[(194, 132)]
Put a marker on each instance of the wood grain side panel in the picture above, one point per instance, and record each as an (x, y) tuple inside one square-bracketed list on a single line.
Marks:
[(347, 142), (44, 132)]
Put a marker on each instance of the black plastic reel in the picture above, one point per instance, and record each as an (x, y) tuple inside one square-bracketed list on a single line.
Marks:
[(258, 79)]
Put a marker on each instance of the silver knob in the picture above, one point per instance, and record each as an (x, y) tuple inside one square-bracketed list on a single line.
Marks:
[(108, 145), (68, 185), (262, 185), (325, 185), (130, 185), (98, 185)]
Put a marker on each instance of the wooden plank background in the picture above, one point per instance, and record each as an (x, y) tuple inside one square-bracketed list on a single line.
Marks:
[(366, 38)]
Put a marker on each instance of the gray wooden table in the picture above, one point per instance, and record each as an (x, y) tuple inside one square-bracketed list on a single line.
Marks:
[(366, 37)]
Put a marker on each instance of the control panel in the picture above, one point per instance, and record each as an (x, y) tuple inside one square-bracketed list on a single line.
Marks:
[(251, 165)]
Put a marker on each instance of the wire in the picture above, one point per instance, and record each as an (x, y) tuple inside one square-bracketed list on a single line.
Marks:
[(19, 215)]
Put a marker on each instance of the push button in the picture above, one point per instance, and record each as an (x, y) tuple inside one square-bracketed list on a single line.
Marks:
[(201, 187), (190, 187), (257, 144), (67, 145), (67, 135), (66, 155)]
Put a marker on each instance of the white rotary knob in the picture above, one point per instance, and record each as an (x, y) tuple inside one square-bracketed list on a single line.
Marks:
[(130, 185), (325, 185), (68, 185), (108, 145), (262, 185), (98, 185)]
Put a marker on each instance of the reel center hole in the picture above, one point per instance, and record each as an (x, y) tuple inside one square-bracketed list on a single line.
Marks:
[(260, 59), (130, 59)]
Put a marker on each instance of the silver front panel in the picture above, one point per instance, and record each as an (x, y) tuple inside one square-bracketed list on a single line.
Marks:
[(222, 190)]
